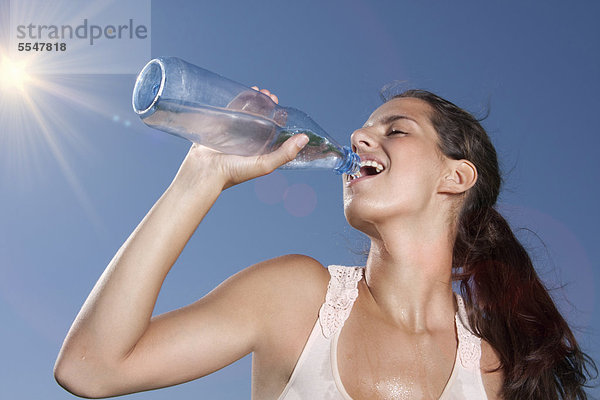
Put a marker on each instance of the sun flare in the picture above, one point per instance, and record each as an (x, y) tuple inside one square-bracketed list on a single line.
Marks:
[(13, 74), (37, 109)]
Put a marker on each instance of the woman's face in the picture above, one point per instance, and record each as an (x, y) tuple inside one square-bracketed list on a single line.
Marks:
[(400, 137)]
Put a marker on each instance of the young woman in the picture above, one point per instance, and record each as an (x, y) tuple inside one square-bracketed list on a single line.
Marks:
[(391, 330)]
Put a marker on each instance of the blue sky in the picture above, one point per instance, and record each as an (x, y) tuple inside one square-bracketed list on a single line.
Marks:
[(73, 190)]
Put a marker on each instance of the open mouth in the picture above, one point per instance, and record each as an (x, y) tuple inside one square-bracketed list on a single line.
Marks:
[(367, 168)]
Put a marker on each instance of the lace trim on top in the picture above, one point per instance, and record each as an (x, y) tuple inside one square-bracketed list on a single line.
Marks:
[(341, 292), (469, 345)]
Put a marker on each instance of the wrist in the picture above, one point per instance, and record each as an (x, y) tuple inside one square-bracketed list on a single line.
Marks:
[(197, 183)]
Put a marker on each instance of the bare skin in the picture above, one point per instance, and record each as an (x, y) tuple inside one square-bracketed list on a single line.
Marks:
[(401, 325)]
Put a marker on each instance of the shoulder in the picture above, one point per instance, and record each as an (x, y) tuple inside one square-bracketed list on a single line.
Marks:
[(292, 289), (296, 266), (285, 287), (492, 381), (288, 275), (284, 272), (269, 290)]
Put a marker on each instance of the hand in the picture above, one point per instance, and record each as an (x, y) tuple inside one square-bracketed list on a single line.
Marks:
[(250, 101), (202, 163), (280, 114)]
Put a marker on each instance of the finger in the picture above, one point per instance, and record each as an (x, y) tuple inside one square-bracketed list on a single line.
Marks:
[(285, 153), (268, 93)]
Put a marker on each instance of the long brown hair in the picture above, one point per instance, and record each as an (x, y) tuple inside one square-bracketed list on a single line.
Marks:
[(508, 305)]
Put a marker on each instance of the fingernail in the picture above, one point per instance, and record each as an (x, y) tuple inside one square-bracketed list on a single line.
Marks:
[(302, 140)]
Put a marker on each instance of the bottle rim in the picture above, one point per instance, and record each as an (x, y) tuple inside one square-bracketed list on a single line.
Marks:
[(144, 84)]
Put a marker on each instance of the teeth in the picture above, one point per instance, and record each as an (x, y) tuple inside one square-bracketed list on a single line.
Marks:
[(372, 163), (367, 163), (354, 176)]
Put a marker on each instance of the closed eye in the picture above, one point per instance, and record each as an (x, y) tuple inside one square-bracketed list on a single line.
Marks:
[(397, 132)]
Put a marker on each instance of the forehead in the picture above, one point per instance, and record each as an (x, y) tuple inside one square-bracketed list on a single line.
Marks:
[(411, 108)]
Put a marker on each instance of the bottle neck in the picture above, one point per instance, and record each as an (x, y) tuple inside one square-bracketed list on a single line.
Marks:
[(350, 163), (321, 151)]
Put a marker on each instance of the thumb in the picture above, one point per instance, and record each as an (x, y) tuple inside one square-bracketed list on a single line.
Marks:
[(285, 153)]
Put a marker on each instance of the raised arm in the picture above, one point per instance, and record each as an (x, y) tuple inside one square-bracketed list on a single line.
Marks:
[(114, 346)]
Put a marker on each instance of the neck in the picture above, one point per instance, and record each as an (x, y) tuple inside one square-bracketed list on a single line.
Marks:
[(408, 274)]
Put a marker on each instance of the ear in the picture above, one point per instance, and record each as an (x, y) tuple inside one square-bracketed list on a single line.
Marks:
[(460, 176)]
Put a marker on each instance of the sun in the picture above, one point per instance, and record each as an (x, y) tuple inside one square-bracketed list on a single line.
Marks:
[(13, 74)]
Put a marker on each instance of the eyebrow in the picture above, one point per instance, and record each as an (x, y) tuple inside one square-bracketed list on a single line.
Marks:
[(389, 119)]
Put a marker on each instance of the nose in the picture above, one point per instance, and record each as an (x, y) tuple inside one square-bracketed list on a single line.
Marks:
[(362, 140)]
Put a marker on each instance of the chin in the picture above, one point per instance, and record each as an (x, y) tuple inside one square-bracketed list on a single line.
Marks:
[(367, 215), (360, 218)]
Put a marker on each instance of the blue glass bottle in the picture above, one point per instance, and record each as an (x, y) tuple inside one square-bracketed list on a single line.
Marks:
[(203, 107)]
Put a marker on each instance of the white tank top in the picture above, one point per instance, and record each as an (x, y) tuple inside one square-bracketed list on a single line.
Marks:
[(316, 374)]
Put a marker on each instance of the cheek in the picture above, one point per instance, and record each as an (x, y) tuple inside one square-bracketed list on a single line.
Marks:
[(407, 187), (415, 171)]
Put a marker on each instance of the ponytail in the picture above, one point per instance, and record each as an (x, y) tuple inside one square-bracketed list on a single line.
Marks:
[(509, 307)]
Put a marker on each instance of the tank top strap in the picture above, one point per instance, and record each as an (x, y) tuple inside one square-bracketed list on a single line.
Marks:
[(342, 290), (469, 345)]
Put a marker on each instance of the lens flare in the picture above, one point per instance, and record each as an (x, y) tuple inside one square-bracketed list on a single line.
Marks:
[(13, 75)]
